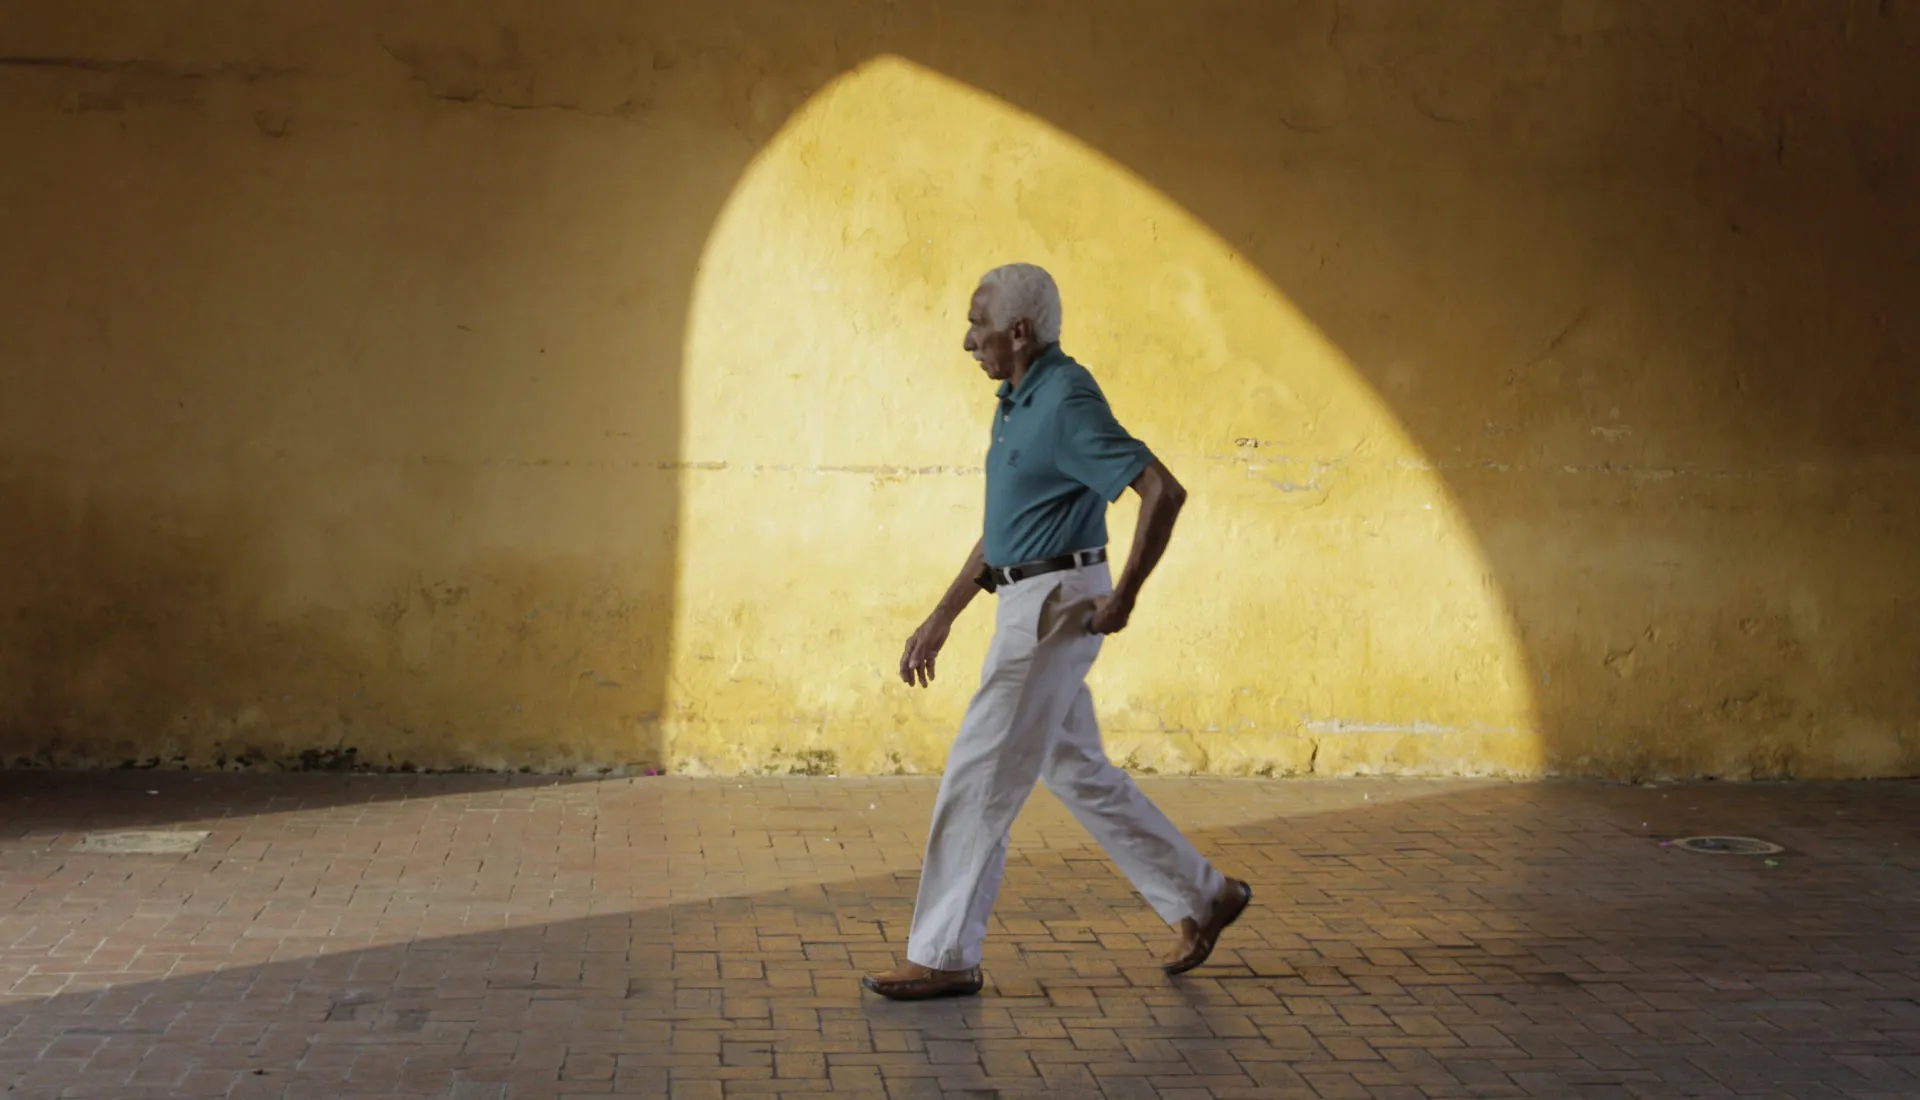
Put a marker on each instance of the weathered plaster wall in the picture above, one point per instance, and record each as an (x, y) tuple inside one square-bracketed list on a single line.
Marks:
[(577, 384)]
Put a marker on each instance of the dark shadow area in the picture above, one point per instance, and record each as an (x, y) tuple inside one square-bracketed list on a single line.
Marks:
[(1503, 941), (340, 433)]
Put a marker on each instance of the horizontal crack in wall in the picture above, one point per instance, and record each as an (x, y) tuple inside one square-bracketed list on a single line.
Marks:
[(160, 69)]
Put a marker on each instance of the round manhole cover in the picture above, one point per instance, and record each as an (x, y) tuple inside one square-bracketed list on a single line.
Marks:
[(1729, 846)]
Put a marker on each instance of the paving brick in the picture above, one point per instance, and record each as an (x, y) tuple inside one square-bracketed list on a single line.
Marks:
[(486, 938)]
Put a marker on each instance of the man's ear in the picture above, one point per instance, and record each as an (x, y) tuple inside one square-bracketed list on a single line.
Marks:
[(1021, 333)]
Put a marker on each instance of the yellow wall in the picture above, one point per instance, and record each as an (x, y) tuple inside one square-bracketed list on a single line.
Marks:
[(578, 385)]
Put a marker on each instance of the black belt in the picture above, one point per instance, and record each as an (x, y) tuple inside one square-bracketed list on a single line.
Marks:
[(993, 576)]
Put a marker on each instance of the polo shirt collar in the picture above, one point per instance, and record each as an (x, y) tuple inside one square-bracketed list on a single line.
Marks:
[(1048, 356)]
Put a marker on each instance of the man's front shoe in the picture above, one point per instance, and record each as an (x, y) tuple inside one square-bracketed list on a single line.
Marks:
[(914, 982), (1197, 940)]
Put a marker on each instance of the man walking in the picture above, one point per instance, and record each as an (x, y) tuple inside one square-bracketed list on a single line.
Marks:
[(1056, 460)]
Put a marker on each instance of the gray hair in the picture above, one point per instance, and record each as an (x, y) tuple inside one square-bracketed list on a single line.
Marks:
[(1024, 292)]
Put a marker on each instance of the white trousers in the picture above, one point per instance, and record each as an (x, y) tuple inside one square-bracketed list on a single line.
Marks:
[(1032, 720)]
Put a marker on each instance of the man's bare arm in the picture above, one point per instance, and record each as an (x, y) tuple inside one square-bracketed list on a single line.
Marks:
[(1161, 498), (965, 586)]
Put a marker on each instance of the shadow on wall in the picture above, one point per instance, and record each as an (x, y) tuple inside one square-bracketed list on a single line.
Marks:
[(340, 420), (349, 372)]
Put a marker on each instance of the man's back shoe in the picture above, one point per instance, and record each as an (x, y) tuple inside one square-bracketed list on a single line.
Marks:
[(914, 982)]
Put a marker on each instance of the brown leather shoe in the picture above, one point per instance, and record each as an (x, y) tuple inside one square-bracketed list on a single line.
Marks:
[(1197, 940), (914, 982)]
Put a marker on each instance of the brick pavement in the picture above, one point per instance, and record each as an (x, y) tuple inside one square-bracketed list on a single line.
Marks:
[(482, 938)]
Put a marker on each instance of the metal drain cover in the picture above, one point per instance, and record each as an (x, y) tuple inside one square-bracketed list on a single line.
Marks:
[(148, 842), (1729, 846)]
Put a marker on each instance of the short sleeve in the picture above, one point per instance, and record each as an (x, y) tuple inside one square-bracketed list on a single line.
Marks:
[(1092, 448)]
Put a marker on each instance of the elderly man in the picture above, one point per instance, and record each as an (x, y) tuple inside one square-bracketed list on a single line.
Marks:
[(1056, 460)]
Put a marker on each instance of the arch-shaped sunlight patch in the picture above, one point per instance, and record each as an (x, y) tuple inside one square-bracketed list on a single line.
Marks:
[(1324, 606)]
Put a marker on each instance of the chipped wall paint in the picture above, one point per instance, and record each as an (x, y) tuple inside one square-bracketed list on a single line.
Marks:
[(577, 386)]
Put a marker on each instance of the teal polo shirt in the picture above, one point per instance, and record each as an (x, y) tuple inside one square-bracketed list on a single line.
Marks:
[(1056, 459)]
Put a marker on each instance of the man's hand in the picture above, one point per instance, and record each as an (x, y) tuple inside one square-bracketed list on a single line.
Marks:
[(1110, 614), (916, 664)]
